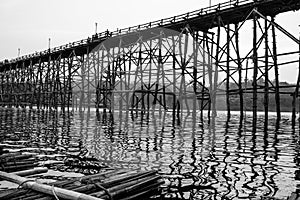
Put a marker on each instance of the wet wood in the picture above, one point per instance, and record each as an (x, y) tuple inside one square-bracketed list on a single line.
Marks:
[(37, 170), (118, 184), (47, 189)]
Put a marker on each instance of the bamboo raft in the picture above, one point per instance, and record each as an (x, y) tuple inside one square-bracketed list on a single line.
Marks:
[(11, 162), (117, 184)]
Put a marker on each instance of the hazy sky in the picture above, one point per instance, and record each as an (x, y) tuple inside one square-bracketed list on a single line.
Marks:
[(27, 24)]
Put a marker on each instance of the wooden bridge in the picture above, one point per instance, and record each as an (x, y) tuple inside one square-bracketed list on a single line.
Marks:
[(186, 63)]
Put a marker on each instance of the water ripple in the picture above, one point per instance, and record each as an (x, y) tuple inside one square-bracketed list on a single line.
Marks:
[(199, 160)]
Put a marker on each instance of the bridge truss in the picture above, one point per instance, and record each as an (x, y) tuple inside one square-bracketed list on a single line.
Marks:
[(185, 64)]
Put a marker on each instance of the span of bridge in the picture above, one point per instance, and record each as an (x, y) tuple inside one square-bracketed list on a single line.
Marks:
[(162, 74), (231, 12)]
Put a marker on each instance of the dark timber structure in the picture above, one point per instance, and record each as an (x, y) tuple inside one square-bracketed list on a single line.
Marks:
[(181, 64)]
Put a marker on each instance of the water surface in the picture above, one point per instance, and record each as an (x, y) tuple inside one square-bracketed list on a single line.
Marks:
[(223, 160)]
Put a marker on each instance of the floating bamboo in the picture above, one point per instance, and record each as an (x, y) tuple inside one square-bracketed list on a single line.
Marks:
[(28, 172), (46, 189)]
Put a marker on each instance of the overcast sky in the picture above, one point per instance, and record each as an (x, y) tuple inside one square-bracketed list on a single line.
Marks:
[(27, 24)]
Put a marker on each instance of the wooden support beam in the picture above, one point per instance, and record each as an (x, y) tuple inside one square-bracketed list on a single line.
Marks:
[(255, 71)]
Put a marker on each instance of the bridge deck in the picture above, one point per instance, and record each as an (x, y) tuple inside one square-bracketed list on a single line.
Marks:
[(200, 20)]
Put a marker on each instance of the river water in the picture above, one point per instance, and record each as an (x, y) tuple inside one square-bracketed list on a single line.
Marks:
[(197, 160)]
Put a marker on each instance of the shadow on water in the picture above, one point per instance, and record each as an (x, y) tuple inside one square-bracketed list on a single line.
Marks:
[(209, 159)]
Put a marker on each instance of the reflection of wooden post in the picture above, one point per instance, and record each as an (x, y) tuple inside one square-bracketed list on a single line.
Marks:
[(294, 109), (266, 90), (174, 109), (143, 99), (228, 72), (137, 105), (255, 71), (277, 95), (164, 98), (178, 109), (239, 72), (160, 113)]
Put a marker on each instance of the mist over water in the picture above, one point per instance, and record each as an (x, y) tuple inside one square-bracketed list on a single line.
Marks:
[(197, 160)]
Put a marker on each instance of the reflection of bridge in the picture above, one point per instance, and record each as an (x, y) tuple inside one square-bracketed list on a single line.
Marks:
[(195, 56)]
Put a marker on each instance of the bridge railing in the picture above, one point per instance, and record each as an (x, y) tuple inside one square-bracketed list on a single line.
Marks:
[(158, 23), (183, 17)]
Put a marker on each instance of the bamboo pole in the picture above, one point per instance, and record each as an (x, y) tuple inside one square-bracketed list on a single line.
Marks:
[(47, 189), (37, 170)]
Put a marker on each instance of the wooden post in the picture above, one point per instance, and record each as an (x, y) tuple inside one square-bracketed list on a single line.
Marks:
[(255, 71), (40, 80), (203, 75), (112, 84), (182, 66), (195, 74), (228, 73), (215, 82), (82, 93), (174, 78), (277, 94), (209, 70), (294, 109), (69, 83), (240, 73), (183, 74), (295, 95), (88, 80), (266, 89), (63, 93)]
